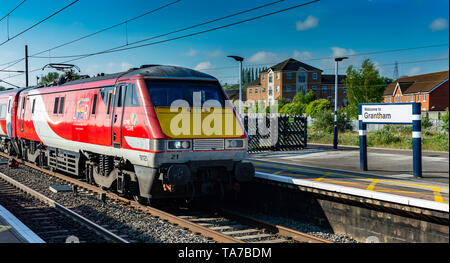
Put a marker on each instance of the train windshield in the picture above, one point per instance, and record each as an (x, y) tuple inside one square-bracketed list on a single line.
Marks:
[(164, 93)]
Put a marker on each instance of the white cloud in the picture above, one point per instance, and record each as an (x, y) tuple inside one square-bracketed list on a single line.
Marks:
[(125, 66), (204, 66), (310, 22), (216, 53), (191, 53), (302, 55), (263, 57), (339, 51), (414, 71), (439, 24)]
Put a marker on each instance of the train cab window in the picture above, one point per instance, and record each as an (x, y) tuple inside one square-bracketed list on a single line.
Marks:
[(55, 106), (131, 100), (61, 105), (94, 104), (164, 93)]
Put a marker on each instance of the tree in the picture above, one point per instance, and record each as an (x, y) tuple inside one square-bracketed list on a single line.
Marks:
[(298, 104), (49, 78), (363, 86), (317, 106)]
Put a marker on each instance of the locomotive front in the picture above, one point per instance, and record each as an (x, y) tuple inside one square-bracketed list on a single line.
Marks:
[(198, 142)]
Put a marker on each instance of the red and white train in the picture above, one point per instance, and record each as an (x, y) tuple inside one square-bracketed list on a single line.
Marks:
[(114, 131)]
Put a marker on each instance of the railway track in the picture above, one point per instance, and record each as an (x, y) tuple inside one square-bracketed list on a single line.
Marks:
[(50, 220), (229, 227)]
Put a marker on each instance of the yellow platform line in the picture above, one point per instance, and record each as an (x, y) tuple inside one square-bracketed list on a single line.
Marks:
[(290, 167), (323, 177), (437, 195), (372, 185)]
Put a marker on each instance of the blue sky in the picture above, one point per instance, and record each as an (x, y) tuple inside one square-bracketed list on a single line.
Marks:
[(319, 30)]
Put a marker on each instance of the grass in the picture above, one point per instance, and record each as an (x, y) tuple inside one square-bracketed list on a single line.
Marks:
[(394, 137)]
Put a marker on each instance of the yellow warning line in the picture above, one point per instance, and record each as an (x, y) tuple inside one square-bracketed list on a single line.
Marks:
[(4, 228), (437, 195), (291, 167), (323, 177), (372, 185)]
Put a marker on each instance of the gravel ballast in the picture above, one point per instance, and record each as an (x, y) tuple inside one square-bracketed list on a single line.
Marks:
[(132, 224)]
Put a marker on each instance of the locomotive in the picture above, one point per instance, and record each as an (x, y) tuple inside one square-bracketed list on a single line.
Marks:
[(118, 131)]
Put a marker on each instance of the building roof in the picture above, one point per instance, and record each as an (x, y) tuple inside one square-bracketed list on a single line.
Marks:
[(233, 94), (254, 83), (330, 79), (291, 65), (418, 83)]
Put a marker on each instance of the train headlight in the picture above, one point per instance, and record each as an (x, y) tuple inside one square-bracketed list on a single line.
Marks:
[(179, 145), (234, 144)]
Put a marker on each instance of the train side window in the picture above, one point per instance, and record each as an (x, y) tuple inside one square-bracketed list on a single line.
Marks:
[(109, 103), (32, 107), (3, 111), (61, 105), (94, 104), (120, 95), (55, 106), (131, 99)]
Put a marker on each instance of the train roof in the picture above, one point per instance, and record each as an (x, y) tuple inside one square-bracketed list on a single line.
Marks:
[(150, 71)]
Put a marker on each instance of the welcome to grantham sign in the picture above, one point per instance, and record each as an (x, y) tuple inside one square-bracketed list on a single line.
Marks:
[(387, 113), (399, 113)]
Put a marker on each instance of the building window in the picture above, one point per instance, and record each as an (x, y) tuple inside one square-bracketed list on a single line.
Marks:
[(344, 89), (324, 89), (270, 78), (270, 91), (314, 76), (288, 88), (314, 88), (278, 88), (302, 77), (289, 75), (263, 90), (249, 91), (424, 97), (278, 75), (256, 90), (264, 76)]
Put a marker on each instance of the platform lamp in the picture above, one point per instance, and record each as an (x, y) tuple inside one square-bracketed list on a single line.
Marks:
[(239, 59), (335, 129)]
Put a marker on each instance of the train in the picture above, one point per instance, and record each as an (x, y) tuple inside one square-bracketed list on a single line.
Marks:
[(117, 131)]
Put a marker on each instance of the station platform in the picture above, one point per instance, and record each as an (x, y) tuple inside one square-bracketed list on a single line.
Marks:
[(12, 230), (389, 177)]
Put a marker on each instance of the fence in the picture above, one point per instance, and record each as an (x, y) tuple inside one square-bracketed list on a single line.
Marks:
[(275, 132)]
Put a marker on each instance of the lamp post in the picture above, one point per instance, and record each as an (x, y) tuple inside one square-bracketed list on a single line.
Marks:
[(239, 59), (335, 130)]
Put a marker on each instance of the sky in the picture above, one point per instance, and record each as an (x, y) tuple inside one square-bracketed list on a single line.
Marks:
[(313, 34)]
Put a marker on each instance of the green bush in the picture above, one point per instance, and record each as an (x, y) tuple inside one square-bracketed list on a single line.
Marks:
[(317, 106), (426, 123), (444, 119), (325, 121)]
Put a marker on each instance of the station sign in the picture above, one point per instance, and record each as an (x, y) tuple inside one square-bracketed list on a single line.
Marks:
[(387, 113)]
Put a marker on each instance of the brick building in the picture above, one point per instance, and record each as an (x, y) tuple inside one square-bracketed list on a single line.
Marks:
[(291, 76), (429, 89)]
